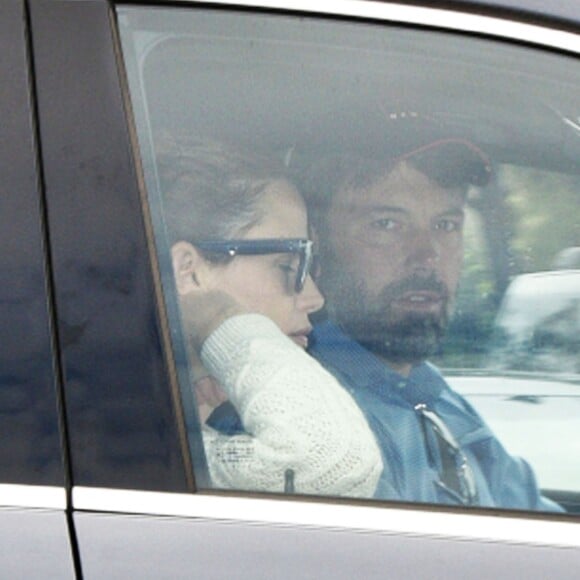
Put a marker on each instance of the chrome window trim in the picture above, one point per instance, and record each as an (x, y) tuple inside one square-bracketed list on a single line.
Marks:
[(418, 15), (380, 518), (32, 496)]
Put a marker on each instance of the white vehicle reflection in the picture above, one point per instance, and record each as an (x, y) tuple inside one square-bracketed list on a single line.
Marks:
[(536, 416), (538, 325)]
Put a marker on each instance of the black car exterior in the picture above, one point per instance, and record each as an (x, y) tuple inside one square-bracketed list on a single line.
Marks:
[(96, 477)]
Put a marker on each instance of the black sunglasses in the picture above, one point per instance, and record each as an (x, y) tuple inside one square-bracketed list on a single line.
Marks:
[(232, 248), (455, 473)]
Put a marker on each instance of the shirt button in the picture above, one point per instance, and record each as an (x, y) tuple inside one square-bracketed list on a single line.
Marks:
[(402, 384)]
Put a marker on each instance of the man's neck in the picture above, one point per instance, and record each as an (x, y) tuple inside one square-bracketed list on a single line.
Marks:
[(402, 368)]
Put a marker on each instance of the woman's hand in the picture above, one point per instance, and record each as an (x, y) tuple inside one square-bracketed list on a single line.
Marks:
[(202, 312), (208, 395)]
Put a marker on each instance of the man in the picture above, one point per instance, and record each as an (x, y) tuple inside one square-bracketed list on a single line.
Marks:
[(391, 248)]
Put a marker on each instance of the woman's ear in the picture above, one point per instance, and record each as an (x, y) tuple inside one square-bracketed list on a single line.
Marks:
[(189, 268)]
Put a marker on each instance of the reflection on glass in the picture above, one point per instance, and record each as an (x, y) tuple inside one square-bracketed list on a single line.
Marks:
[(441, 178)]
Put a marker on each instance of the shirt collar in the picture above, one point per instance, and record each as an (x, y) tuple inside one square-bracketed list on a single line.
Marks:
[(361, 369)]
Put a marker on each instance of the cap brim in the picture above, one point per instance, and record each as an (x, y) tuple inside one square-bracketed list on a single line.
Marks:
[(372, 133), (454, 156)]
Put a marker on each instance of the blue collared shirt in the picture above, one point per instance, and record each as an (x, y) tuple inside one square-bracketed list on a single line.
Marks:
[(388, 401)]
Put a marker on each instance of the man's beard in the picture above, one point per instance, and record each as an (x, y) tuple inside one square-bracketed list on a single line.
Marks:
[(400, 337)]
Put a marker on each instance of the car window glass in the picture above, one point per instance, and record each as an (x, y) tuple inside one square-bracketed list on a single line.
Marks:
[(440, 174)]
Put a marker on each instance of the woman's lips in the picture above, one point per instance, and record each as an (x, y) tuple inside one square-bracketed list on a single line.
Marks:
[(300, 337)]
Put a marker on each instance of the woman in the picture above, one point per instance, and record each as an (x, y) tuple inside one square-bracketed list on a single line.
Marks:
[(241, 258)]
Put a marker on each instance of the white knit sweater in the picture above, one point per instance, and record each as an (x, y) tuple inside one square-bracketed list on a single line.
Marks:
[(295, 413)]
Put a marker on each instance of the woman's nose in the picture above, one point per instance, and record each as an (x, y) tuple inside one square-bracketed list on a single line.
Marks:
[(310, 299)]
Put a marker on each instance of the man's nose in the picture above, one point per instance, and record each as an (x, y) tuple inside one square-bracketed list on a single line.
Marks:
[(310, 300), (423, 253)]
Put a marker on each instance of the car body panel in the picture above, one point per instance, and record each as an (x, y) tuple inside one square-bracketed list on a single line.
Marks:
[(35, 544), (189, 547), (124, 423), (33, 522), (206, 539), (120, 416), (28, 396)]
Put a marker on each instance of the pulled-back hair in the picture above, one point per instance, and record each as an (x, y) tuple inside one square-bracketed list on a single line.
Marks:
[(211, 190)]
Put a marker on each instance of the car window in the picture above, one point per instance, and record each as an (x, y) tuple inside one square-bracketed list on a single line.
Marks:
[(365, 235)]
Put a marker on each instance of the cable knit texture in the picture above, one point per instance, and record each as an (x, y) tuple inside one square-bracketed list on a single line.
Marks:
[(295, 413)]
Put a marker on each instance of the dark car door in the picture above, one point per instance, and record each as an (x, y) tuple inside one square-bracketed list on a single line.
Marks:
[(141, 502), (33, 493)]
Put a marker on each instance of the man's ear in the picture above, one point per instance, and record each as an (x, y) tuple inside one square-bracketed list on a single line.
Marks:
[(189, 268)]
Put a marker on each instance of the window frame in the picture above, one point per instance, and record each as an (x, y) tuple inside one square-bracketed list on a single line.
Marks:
[(97, 488), (29, 360), (104, 286)]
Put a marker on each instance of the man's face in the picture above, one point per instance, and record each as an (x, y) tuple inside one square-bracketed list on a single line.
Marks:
[(392, 261)]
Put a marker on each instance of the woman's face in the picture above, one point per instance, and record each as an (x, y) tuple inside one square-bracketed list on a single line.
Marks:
[(264, 284)]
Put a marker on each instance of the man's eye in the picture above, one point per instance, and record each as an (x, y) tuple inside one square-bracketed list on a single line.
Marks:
[(448, 226), (385, 224)]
